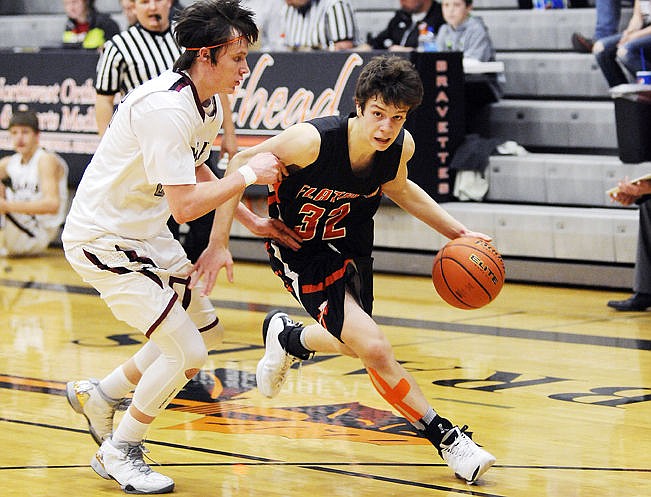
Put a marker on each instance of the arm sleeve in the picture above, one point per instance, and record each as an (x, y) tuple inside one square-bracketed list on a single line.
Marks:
[(477, 44), (107, 81), (340, 22)]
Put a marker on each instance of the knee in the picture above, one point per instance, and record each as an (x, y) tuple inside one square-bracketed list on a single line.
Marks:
[(622, 52), (195, 358), (377, 353), (597, 48)]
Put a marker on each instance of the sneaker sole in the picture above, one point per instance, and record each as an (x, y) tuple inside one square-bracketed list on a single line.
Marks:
[(71, 396), (128, 489), (265, 329)]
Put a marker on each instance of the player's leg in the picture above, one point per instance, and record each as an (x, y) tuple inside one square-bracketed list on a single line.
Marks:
[(400, 390), (97, 400), (363, 338), (182, 354), (22, 235)]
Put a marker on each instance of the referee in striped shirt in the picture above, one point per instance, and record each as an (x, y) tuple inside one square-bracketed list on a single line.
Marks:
[(319, 25), (142, 52)]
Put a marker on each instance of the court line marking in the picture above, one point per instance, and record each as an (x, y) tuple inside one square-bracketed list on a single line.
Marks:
[(264, 461), (548, 336)]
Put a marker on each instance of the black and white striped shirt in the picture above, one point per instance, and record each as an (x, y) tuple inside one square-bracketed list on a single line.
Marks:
[(132, 57), (319, 24)]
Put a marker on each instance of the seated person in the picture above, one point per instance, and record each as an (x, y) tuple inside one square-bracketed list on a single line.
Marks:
[(401, 34), (463, 32), (319, 25), (86, 27), (620, 56), (34, 191)]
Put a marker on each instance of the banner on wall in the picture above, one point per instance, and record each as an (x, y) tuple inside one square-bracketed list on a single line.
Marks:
[(282, 89)]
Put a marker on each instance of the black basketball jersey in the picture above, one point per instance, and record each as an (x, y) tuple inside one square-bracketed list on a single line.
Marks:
[(326, 202)]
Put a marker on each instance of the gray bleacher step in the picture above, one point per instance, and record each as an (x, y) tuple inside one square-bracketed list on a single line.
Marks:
[(556, 74), (13, 7), (42, 30), (559, 124), (540, 29), (557, 179), (607, 235)]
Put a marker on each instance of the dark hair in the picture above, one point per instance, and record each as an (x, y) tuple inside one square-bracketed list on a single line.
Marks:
[(24, 118), (211, 22), (393, 79)]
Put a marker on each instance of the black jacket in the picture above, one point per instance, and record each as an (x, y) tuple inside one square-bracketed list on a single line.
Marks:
[(400, 26)]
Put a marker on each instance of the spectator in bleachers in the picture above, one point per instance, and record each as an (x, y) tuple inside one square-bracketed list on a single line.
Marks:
[(33, 192), (86, 27), (639, 192), (463, 32), (620, 56), (609, 13), (319, 25), (401, 34)]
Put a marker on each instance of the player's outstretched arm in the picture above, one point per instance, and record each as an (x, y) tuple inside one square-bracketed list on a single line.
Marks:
[(413, 199)]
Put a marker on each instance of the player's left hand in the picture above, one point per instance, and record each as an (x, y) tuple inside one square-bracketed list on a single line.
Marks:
[(267, 227), (208, 265)]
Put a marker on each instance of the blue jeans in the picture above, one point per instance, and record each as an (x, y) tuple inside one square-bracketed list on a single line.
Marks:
[(620, 70), (608, 15)]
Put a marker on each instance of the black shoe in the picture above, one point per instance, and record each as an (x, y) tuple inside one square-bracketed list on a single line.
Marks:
[(582, 44), (636, 302)]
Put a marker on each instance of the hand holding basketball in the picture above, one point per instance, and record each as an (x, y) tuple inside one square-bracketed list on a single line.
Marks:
[(468, 273)]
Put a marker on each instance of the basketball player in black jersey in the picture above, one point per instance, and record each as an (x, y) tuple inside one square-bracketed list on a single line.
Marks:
[(339, 169)]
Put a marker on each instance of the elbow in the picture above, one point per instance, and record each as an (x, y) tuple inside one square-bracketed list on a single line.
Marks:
[(181, 217), (181, 214)]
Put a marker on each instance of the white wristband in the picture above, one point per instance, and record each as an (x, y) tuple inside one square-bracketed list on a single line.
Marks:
[(248, 174)]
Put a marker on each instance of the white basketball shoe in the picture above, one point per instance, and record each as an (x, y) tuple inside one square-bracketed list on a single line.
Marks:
[(124, 463), (87, 399), (465, 457), (272, 369)]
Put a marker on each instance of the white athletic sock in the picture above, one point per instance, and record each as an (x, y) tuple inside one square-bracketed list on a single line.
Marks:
[(130, 430), (116, 385)]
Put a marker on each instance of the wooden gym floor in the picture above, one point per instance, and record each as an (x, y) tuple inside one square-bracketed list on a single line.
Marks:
[(555, 384)]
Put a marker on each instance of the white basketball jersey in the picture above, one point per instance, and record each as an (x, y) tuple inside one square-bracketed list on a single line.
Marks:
[(158, 135), (25, 187)]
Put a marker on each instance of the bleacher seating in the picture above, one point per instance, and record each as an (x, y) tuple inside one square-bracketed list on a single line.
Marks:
[(547, 210)]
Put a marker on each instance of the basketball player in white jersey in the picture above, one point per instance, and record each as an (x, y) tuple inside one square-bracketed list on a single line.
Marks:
[(34, 191), (150, 164)]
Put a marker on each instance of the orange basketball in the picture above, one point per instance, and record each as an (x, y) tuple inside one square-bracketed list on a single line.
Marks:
[(468, 273)]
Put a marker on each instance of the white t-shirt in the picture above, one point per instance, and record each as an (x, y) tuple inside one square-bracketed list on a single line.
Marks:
[(158, 135)]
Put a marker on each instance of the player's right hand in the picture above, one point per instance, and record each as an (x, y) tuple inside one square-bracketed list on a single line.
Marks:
[(268, 168)]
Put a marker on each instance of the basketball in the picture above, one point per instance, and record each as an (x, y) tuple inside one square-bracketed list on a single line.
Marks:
[(468, 273)]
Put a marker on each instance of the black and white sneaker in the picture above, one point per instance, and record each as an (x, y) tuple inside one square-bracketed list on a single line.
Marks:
[(465, 457), (272, 369)]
